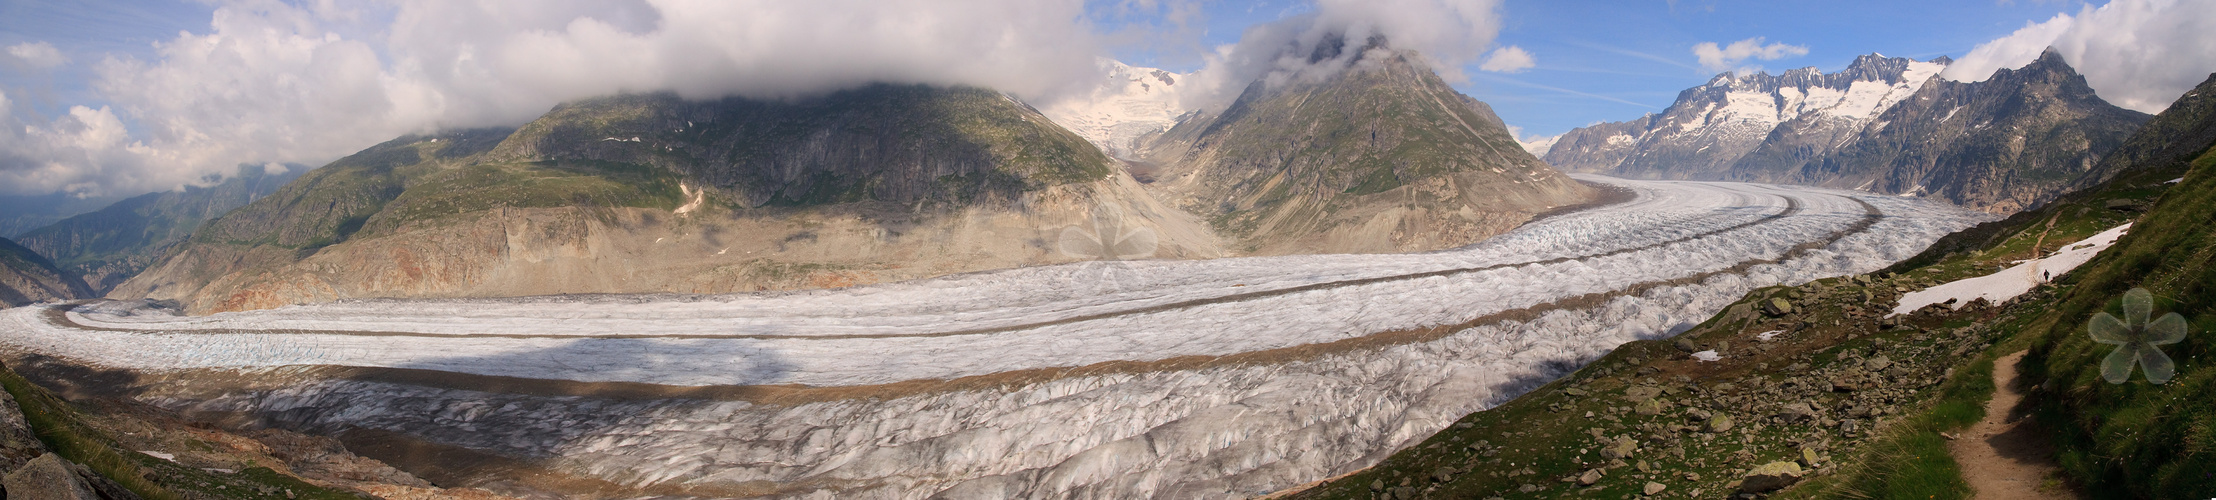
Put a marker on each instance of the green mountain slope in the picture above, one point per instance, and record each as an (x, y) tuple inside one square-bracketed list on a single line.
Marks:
[(653, 193), (109, 245), (2137, 439)]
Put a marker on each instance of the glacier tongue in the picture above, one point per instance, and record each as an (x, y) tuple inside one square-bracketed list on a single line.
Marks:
[(1239, 391)]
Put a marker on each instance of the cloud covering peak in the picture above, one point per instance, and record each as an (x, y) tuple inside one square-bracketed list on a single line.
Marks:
[(276, 82), (2138, 54), (1448, 33)]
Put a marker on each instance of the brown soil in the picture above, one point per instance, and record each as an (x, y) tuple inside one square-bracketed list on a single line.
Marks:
[(2006, 456)]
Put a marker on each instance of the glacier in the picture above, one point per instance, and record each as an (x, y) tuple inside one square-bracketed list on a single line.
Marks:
[(1176, 379)]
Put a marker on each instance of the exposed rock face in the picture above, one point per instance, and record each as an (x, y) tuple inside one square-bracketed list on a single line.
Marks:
[(1883, 125), (48, 478), (26, 278), (2181, 133), (1382, 157), (110, 245), (651, 193)]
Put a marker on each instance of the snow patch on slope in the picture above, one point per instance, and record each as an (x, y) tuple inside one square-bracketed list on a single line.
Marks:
[(2010, 283)]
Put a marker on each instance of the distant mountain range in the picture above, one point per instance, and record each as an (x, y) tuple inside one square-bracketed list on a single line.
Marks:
[(1885, 125), (109, 245)]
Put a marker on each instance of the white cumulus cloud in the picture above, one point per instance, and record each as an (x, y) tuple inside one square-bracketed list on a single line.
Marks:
[(1510, 59), (2138, 54), (1728, 57), (1537, 145), (270, 81), (1448, 33), (35, 55)]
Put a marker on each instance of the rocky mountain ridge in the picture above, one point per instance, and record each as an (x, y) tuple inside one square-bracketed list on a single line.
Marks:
[(1381, 157), (2002, 145), (1710, 127)]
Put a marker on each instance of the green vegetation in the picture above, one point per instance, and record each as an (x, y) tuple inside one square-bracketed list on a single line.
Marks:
[(1912, 460), (476, 188), (2137, 439), (894, 143)]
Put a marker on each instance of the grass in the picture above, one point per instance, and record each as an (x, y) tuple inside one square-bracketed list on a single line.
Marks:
[(2139, 440), (1912, 460)]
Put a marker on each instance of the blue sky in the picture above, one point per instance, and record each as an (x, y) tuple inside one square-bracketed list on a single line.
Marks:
[(1597, 60), (1600, 60), (113, 97)]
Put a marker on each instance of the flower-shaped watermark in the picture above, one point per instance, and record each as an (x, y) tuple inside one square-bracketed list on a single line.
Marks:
[(2135, 339), (1107, 241)]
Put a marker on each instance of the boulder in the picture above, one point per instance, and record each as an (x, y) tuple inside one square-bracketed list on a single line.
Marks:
[(1777, 306), (1719, 423), (1770, 477), (1649, 407), (47, 477), (1653, 488), (18, 444), (1640, 394), (1797, 412), (1589, 477), (1621, 449)]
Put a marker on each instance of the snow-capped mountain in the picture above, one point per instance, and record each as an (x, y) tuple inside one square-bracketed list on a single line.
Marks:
[(1130, 103), (1882, 125), (1711, 126)]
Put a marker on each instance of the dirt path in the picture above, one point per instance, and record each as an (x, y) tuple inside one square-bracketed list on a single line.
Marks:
[(2003, 456)]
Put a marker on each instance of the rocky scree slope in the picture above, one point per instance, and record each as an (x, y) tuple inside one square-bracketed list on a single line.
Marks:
[(27, 278), (2002, 145), (109, 245), (653, 193), (1381, 157)]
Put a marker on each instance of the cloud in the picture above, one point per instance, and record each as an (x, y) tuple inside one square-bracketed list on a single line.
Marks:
[(2138, 54), (270, 81), (1510, 59), (1537, 145), (1447, 33), (34, 55), (56, 154), (1727, 58)]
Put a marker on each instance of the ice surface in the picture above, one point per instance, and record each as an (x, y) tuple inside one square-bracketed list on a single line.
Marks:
[(1217, 430), (2003, 286)]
